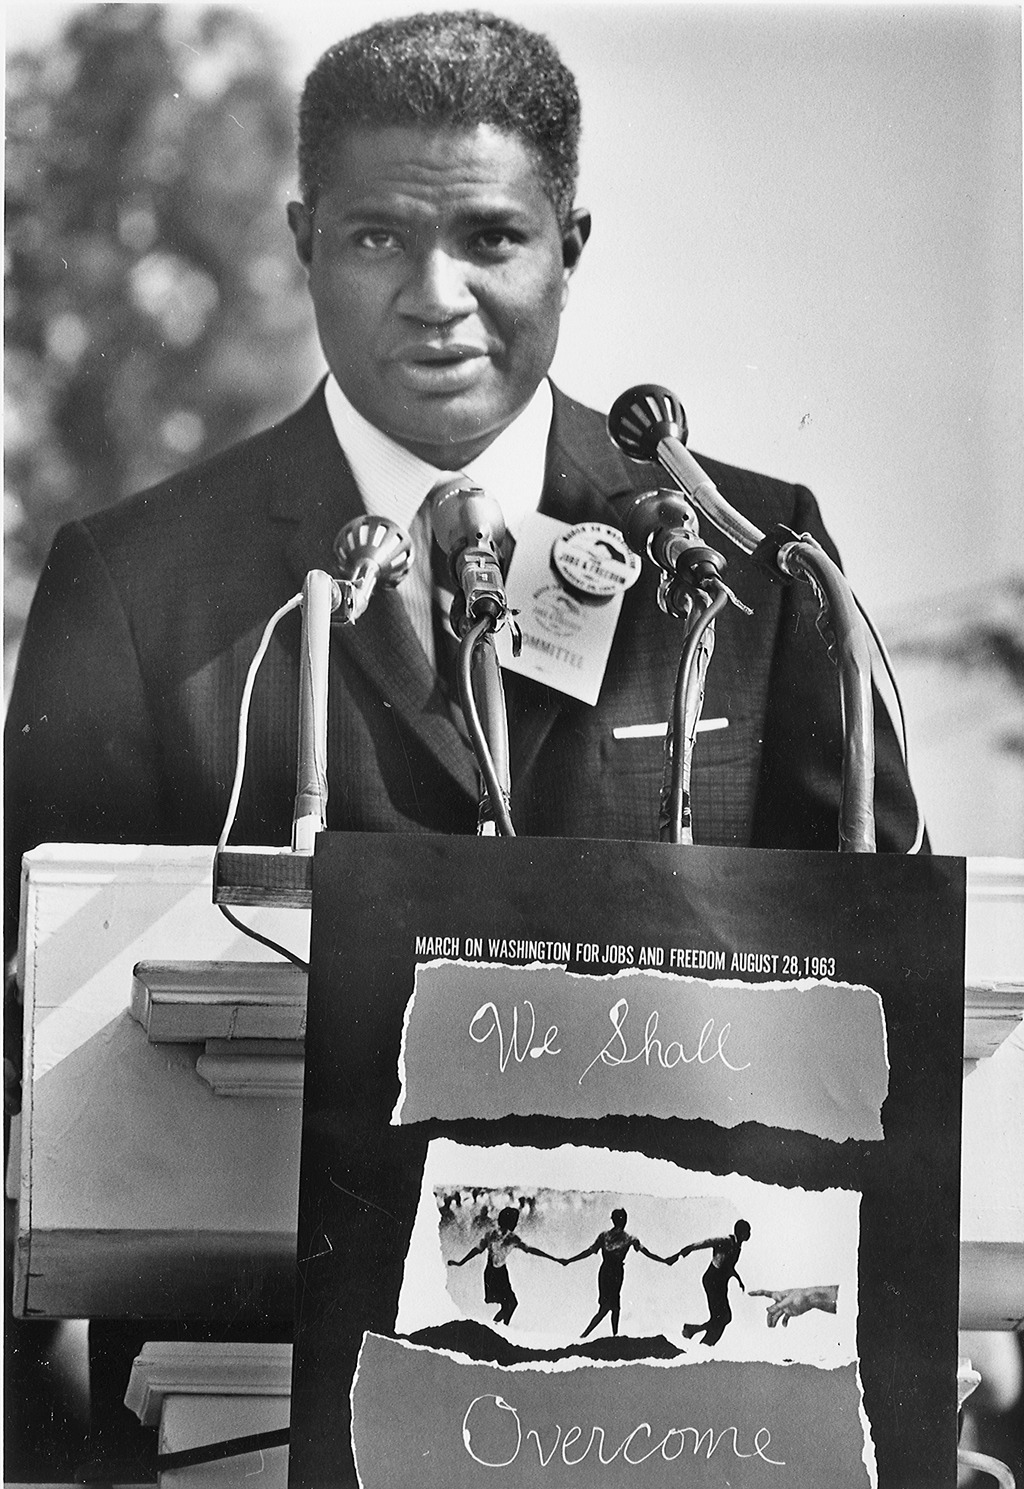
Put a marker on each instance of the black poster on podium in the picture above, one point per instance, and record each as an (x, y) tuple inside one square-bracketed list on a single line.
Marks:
[(628, 1164)]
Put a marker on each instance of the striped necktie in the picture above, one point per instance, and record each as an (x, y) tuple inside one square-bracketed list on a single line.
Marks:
[(442, 592), (446, 643)]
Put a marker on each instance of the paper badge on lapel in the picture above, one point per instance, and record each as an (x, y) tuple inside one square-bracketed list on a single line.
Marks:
[(567, 584)]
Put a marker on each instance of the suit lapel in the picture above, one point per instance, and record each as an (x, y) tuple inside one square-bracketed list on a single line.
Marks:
[(584, 469), (320, 497)]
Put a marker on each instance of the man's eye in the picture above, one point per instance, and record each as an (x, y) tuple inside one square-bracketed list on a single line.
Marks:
[(376, 239), (494, 241)]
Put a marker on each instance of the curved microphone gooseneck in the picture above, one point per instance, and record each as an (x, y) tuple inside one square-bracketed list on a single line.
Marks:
[(662, 525), (470, 530), (369, 551), (648, 424)]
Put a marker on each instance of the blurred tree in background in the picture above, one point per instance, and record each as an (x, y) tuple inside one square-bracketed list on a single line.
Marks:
[(155, 311), (979, 632)]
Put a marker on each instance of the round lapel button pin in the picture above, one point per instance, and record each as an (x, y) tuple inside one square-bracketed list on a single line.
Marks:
[(595, 560)]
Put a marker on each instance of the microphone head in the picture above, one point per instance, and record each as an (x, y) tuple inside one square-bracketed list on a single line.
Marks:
[(461, 514), (373, 546), (653, 512), (642, 417)]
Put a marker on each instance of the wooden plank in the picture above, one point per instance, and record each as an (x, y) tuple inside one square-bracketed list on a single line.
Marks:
[(244, 1277), (204, 1393), (263, 876), (191, 1368), (192, 1001), (263, 1068), (992, 1010)]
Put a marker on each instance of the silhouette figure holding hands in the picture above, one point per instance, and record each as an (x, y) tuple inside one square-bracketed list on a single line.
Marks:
[(725, 1253), (614, 1245), (498, 1242)]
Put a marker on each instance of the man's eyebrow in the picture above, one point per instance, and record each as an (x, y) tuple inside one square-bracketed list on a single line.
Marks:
[(470, 217), (493, 216)]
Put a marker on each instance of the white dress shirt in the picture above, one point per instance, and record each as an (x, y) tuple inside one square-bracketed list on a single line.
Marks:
[(395, 483)]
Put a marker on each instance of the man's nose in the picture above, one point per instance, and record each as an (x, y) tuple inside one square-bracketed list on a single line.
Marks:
[(437, 289)]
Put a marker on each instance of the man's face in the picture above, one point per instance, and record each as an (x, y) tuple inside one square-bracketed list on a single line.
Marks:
[(438, 272)]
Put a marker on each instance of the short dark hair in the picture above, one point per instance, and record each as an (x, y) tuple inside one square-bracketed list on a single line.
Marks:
[(445, 69)]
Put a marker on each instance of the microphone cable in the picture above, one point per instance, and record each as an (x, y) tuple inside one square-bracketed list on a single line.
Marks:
[(236, 787), (901, 736), (473, 637)]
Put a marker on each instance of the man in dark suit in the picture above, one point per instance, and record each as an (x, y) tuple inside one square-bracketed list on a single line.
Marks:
[(438, 228)]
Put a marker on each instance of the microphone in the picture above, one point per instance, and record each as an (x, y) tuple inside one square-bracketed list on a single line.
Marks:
[(661, 525), (648, 424), (321, 596), (369, 551), (470, 531)]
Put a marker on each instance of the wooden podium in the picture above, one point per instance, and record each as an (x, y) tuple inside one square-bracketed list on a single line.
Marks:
[(156, 1169), (141, 1190)]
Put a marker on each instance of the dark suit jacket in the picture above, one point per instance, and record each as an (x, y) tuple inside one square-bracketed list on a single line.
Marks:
[(122, 723)]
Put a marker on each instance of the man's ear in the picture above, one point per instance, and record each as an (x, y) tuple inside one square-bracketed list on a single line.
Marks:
[(300, 220), (574, 237)]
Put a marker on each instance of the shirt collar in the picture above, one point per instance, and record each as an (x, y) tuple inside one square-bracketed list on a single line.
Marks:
[(393, 482)]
